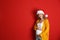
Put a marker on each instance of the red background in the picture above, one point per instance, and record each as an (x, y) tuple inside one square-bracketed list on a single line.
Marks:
[(17, 18)]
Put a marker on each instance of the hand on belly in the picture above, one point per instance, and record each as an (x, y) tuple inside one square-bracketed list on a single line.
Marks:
[(39, 29)]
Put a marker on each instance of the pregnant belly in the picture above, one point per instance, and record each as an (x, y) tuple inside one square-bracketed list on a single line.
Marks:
[(38, 32)]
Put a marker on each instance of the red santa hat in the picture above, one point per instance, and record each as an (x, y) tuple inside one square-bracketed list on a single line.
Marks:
[(41, 12)]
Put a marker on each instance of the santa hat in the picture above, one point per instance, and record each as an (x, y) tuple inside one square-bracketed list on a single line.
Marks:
[(40, 12)]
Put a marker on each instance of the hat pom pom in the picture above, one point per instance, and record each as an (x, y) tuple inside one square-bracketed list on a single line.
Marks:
[(46, 15)]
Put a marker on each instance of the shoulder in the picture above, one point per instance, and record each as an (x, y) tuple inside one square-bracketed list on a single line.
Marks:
[(37, 20), (46, 20)]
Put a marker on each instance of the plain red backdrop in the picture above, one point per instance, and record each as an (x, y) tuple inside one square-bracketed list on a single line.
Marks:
[(17, 18)]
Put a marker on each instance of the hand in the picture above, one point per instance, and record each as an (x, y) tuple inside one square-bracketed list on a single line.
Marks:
[(39, 28)]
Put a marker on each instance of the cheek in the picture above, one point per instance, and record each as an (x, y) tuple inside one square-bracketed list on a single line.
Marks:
[(39, 15)]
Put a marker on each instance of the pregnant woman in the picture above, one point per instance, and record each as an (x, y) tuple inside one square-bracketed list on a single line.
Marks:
[(42, 26)]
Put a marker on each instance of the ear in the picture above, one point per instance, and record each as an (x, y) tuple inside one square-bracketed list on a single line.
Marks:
[(46, 15)]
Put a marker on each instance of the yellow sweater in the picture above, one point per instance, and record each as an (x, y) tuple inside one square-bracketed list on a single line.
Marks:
[(45, 29)]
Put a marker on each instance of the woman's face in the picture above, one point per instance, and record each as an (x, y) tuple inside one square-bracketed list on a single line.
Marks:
[(40, 15)]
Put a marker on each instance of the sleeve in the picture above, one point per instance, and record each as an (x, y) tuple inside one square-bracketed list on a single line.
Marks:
[(46, 26), (35, 26)]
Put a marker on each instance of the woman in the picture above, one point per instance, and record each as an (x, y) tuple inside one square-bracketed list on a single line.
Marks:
[(42, 26)]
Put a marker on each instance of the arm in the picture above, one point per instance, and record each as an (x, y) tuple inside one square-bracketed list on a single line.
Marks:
[(35, 26)]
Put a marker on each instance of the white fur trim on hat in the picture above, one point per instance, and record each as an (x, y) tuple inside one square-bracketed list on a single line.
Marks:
[(40, 12), (46, 15)]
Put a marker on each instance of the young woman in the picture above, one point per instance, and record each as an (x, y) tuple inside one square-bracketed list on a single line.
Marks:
[(42, 26)]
